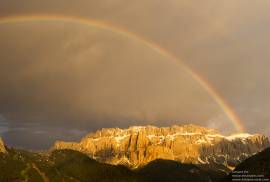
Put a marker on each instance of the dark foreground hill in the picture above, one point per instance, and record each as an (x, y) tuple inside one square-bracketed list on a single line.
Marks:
[(62, 165), (256, 167), (69, 166), (172, 171)]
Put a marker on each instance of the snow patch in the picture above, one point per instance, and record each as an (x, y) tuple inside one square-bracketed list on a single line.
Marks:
[(238, 136), (200, 141), (119, 138), (201, 161)]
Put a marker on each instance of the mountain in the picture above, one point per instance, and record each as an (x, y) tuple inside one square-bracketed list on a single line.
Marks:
[(2, 146), (144, 149), (172, 171), (57, 166), (138, 145), (73, 166), (257, 165)]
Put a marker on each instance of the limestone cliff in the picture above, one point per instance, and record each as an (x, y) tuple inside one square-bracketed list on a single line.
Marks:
[(2, 146), (139, 145)]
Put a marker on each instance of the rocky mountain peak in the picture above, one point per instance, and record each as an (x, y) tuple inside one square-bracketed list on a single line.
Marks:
[(152, 130), (138, 145), (2, 146)]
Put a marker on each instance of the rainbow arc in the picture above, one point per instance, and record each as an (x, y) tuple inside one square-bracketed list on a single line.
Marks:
[(227, 109)]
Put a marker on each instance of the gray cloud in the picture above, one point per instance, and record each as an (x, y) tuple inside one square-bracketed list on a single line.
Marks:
[(76, 76), (85, 77)]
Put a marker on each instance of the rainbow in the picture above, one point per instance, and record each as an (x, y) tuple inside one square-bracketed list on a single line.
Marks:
[(236, 121)]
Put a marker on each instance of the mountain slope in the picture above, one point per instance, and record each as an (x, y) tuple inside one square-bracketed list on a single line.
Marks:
[(259, 164), (137, 146), (73, 166), (80, 167), (172, 171), (15, 166), (61, 165)]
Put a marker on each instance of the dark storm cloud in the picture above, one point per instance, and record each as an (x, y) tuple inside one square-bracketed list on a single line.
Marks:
[(38, 136), (78, 75), (47, 76)]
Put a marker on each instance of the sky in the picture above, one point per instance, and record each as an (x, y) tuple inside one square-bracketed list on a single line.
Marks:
[(60, 80)]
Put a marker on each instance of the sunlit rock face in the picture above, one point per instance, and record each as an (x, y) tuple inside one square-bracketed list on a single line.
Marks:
[(138, 145), (2, 146)]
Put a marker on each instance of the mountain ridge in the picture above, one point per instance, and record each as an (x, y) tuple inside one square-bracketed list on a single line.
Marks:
[(138, 145), (77, 165), (73, 166)]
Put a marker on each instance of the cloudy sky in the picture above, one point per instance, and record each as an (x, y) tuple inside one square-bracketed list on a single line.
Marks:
[(60, 80)]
